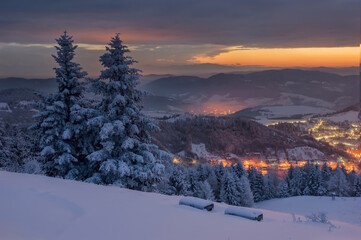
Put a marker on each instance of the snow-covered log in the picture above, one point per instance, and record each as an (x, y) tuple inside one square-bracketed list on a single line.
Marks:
[(197, 203), (244, 212)]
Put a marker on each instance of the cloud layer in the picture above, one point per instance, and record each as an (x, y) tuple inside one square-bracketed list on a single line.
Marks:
[(250, 23), (170, 36)]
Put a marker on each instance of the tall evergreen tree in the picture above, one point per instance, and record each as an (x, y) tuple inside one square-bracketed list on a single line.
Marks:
[(229, 189), (246, 196), (124, 154), (257, 184), (177, 181), (313, 182), (9, 153), (54, 121), (357, 186), (214, 184), (203, 172), (239, 170), (282, 190), (204, 190), (326, 172), (192, 176), (219, 172), (269, 186), (338, 183), (295, 184), (289, 176)]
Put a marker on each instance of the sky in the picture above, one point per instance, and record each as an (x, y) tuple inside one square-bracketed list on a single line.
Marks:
[(182, 37)]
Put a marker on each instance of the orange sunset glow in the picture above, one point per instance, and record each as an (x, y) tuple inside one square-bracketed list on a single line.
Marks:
[(286, 57), (282, 166)]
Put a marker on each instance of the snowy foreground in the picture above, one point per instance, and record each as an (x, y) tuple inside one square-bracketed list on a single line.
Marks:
[(38, 207)]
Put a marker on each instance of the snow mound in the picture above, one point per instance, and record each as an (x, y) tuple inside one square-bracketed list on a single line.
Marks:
[(38, 207), (244, 212), (4, 107), (197, 203), (341, 209)]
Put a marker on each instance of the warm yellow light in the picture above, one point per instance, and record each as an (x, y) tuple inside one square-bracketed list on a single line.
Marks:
[(176, 160), (285, 57)]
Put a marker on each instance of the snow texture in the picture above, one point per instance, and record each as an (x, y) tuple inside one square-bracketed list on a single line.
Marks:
[(305, 153), (351, 116), (244, 212), (195, 202), (38, 207)]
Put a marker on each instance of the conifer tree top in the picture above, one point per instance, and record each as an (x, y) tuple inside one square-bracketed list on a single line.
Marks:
[(68, 72), (117, 64)]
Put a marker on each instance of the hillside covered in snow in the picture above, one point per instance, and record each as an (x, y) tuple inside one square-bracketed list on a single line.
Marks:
[(38, 207)]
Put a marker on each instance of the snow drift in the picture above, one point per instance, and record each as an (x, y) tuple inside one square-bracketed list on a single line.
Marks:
[(39, 207)]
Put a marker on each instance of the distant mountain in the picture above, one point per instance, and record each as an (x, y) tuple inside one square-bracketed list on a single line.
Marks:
[(49, 84), (230, 92), (43, 85), (158, 103), (144, 79), (341, 70), (269, 114), (271, 87), (170, 86)]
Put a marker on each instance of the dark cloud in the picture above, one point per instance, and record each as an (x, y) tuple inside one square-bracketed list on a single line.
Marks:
[(253, 23)]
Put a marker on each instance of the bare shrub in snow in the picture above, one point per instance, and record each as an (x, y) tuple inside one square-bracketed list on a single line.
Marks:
[(320, 217)]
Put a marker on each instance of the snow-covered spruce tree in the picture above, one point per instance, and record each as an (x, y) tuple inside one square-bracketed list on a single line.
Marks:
[(192, 176), (219, 172), (338, 183), (296, 182), (313, 182), (24, 149), (239, 170), (257, 184), (54, 122), (282, 190), (270, 186), (356, 189), (177, 181), (124, 155), (18, 149), (325, 177), (229, 189), (213, 182), (245, 192), (203, 171), (204, 190), (6, 154)]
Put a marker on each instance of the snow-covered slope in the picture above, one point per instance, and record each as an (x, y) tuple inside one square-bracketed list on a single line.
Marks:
[(351, 116), (341, 209), (305, 153), (38, 207), (270, 114)]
